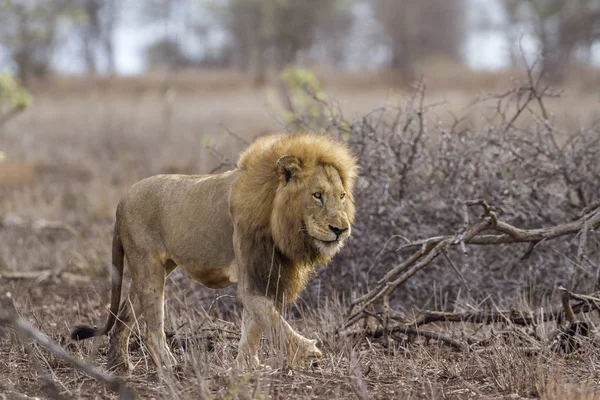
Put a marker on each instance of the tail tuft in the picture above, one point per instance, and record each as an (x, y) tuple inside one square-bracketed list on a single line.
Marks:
[(84, 332)]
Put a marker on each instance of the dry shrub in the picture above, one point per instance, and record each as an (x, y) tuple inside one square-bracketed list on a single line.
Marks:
[(418, 169)]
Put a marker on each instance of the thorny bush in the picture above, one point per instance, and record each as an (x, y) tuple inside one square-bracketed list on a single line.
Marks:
[(418, 167)]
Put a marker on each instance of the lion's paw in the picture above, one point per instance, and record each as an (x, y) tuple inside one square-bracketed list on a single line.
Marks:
[(246, 361), (119, 367), (311, 351), (307, 350)]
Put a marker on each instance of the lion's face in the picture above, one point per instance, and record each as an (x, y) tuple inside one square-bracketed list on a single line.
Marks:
[(325, 210), (312, 209)]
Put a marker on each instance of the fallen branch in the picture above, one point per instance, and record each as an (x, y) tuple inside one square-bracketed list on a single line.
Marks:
[(41, 275), (409, 330), (38, 225), (490, 317), (24, 329), (501, 316), (567, 340), (17, 275), (433, 247)]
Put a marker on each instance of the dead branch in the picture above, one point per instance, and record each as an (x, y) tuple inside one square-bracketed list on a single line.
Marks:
[(490, 316), (432, 247), (570, 338), (569, 313), (567, 340), (417, 137), (511, 234), (17, 275), (42, 275), (432, 335), (24, 329), (515, 317), (582, 297), (38, 225), (223, 160), (234, 135)]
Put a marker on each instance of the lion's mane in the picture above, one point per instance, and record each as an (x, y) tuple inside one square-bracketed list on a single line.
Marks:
[(280, 256)]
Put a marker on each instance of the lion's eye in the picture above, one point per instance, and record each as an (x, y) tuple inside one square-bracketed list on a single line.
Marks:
[(342, 196), (318, 195)]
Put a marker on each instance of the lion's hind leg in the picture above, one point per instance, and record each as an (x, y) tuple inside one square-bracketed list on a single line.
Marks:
[(149, 278), (129, 312)]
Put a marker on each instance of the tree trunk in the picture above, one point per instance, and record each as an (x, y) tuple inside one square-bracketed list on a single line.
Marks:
[(88, 52), (109, 52), (401, 60), (23, 61)]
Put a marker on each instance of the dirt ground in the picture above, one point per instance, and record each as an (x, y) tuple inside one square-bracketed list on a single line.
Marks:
[(73, 154)]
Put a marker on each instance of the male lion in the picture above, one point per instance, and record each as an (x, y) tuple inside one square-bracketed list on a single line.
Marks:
[(264, 225)]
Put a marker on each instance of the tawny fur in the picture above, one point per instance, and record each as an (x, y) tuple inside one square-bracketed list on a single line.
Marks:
[(265, 225)]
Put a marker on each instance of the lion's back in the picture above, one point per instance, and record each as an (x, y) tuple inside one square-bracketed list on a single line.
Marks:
[(178, 212)]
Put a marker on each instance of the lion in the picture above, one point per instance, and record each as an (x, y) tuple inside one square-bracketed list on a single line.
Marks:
[(286, 208)]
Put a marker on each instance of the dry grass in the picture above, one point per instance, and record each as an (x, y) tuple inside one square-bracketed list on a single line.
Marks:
[(16, 173), (74, 153), (355, 368)]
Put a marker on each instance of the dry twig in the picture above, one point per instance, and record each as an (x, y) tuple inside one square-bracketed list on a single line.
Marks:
[(9, 318)]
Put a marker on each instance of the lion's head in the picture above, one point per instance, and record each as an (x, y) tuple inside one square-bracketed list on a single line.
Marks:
[(296, 194), (312, 209)]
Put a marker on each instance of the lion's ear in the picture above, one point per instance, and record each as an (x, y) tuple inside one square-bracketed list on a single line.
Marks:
[(287, 168)]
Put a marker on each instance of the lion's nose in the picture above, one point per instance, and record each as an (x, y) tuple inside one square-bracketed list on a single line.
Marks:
[(337, 231)]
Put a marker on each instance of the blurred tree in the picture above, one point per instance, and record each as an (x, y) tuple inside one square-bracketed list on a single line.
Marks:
[(564, 29), (163, 13), (273, 32), (165, 54), (28, 33), (176, 24), (96, 32), (13, 99), (419, 29), (332, 32)]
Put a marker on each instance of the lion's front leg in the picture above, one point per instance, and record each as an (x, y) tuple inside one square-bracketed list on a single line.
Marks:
[(250, 341), (263, 312)]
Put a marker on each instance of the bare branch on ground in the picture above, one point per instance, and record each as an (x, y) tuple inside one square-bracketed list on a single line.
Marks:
[(25, 331)]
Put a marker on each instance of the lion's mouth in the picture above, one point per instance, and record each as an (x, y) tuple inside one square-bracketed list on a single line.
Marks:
[(328, 248), (327, 242)]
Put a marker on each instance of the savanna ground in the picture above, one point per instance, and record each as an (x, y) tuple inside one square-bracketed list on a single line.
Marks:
[(74, 153)]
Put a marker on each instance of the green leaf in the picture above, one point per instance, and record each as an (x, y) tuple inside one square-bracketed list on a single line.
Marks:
[(12, 94), (208, 142)]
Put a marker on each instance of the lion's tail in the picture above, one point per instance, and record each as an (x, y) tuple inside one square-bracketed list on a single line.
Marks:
[(84, 332)]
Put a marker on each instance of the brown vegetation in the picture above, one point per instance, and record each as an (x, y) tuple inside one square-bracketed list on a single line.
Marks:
[(533, 158)]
